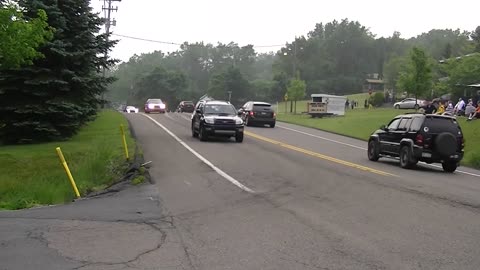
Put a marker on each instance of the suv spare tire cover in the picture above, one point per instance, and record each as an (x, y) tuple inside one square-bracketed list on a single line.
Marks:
[(446, 144)]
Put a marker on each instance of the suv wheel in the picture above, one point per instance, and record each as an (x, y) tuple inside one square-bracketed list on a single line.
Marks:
[(239, 137), (397, 106), (406, 157), (202, 134), (416, 107), (194, 133), (272, 125), (449, 166), (447, 144), (373, 151)]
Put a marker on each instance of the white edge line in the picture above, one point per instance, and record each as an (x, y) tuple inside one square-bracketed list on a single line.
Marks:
[(361, 148), (206, 161)]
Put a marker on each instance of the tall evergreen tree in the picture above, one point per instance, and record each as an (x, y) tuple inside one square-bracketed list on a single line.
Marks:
[(55, 96)]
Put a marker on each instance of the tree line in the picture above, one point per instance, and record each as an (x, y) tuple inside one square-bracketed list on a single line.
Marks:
[(333, 58), (52, 60)]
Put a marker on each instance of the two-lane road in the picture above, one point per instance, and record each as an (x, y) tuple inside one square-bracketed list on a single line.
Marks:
[(296, 198)]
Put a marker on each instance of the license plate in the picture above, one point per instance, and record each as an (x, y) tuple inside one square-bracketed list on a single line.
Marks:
[(263, 113), (454, 156), (427, 155)]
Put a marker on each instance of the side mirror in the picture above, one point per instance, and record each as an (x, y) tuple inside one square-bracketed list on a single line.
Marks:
[(198, 111), (383, 127)]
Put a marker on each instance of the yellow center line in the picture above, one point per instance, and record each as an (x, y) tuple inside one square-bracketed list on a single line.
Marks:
[(318, 155)]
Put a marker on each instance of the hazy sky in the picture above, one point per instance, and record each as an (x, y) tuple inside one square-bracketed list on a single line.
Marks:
[(272, 22)]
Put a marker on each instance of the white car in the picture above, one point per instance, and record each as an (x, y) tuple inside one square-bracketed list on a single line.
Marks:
[(131, 109), (409, 103)]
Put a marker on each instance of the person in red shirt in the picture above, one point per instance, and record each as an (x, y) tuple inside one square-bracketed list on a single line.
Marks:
[(476, 114)]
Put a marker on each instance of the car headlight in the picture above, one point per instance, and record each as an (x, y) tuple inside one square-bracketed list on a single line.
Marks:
[(151, 106), (238, 121), (162, 106), (209, 120)]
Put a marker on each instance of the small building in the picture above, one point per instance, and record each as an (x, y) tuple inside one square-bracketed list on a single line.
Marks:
[(373, 85)]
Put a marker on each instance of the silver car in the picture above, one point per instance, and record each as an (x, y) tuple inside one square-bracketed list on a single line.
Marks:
[(409, 103)]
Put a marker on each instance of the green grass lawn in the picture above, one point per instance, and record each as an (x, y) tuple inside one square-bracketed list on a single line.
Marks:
[(360, 123), (33, 175)]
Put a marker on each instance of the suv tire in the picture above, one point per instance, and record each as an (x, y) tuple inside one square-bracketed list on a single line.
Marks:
[(397, 106), (406, 157), (202, 134), (272, 125), (416, 107), (373, 150), (194, 133), (446, 144), (449, 166), (239, 137)]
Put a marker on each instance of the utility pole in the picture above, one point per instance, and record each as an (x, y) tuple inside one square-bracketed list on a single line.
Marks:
[(107, 12), (295, 58), (294, 68)]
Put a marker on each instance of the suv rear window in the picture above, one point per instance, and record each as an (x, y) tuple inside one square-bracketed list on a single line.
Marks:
[(262, 107), (439, 125)]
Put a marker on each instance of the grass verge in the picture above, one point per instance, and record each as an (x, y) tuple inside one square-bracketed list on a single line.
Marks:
[(360, 123), (32, 174)]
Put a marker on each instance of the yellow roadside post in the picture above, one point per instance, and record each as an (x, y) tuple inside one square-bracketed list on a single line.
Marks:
[(67, 170), (124, 141)]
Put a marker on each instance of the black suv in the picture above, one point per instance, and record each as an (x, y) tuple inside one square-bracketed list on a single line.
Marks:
[(185, 106), (419, 137), (254, 112), (216, 118)]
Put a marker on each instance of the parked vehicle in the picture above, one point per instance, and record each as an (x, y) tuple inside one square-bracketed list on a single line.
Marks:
[(131, 109), (258, 113), (186, 106), (410, 103), (155, 105), (418, 137), (216, 118)]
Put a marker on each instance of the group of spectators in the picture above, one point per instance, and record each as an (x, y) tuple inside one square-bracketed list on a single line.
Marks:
[(470, 110)]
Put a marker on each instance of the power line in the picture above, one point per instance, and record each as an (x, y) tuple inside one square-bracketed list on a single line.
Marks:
[(179, 44), (149, 40)]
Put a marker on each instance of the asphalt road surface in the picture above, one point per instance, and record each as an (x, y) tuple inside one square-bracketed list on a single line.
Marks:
[(297, 198)]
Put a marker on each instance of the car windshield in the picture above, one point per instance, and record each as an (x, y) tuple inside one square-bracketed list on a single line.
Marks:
[(220, 109), (155, 101)]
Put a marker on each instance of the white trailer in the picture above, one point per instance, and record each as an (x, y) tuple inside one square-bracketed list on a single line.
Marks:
[(323, 104)]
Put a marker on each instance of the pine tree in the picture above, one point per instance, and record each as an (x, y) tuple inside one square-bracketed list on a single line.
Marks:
[(54, 97)]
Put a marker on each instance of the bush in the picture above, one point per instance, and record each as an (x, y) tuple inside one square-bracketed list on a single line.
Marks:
[(377, 99)]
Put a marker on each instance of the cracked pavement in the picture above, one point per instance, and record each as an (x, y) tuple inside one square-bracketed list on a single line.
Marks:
[(121, 230)]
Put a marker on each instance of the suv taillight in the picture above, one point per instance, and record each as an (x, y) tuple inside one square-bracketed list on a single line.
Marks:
[(419, 139), (274, 115), (251, 113)]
